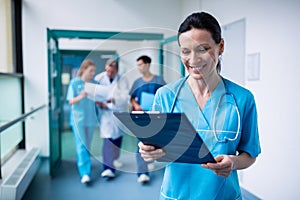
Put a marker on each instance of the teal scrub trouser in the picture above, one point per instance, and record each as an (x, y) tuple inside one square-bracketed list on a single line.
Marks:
[(83, 137)]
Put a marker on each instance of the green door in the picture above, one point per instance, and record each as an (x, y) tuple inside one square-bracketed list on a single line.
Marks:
[(54, 94)]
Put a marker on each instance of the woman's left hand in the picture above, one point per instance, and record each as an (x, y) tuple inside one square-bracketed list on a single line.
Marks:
[(223, 167)]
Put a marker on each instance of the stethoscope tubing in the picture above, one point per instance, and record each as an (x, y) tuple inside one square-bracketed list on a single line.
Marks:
[(214, 117)]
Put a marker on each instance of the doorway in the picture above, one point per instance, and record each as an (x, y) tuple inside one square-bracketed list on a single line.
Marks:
[(70, 63), (58, 75)]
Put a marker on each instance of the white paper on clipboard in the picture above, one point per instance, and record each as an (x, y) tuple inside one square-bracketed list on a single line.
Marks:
[(100, 93)]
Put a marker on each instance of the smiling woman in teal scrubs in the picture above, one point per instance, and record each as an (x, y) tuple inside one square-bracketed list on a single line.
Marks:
[(223, 113)]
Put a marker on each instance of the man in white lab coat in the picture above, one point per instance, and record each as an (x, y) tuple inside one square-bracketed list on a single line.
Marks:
[(117, 100)]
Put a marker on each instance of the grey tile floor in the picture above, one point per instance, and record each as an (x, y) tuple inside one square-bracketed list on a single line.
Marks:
[(66, 185)]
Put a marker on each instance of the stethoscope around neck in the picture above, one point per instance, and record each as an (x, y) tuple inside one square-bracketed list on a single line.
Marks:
[(177, 93), (215, 112)]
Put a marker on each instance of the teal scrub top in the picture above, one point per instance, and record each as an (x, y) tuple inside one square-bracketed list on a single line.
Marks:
[(82, 113), (191, 181)]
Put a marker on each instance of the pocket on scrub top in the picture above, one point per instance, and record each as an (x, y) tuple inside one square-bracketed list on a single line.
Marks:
[(226, 142)]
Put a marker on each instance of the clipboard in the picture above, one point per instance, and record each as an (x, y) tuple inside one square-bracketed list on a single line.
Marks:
[(172, 132)]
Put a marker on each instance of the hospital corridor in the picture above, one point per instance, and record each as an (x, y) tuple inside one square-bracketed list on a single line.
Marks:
[(148, 100)]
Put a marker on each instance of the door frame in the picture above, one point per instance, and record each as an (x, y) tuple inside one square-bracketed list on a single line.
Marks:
[(54, 112), (163, 42)]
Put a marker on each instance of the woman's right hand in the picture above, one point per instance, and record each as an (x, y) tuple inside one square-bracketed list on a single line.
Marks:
[(150, 153), (83, 94), (78, 98)]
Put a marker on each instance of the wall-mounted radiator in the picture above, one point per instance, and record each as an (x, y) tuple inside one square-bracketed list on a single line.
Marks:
[(15, 185)]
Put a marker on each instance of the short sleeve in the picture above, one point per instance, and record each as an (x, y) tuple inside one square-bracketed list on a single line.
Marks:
[(70, 93), (250, 138)]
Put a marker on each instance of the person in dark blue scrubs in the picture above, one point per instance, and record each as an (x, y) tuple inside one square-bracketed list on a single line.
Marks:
[(140, 93)]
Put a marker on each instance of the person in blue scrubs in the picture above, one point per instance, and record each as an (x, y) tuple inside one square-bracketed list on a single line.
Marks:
[(83, 117), (145, 85), (223, 113)]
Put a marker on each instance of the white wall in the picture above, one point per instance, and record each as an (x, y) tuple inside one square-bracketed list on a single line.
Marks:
[(101, 15), (272, 29), (6, 60)]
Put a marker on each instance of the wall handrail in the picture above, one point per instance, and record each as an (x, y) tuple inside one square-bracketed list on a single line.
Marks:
[(11, 123), (19, 119)]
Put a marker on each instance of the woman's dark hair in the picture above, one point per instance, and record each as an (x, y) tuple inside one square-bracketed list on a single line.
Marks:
[(202, 20)]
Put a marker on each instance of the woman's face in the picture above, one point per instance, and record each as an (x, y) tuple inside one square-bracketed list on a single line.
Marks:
[(89, 73), (199, 53)]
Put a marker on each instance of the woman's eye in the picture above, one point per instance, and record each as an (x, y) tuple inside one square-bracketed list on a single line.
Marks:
[(202, 49), (185, 51)]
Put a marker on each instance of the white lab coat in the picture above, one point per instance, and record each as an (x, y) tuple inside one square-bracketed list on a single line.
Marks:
[(110, 127)]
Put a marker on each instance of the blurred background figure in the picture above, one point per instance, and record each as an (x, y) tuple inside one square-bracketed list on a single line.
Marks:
[(83, 117), (142, 94), (117, 100)]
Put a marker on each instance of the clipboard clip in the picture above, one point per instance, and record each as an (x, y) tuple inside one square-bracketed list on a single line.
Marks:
[(145, 112)]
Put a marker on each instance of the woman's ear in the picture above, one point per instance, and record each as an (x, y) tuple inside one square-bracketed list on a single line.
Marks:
[(221, 47)]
